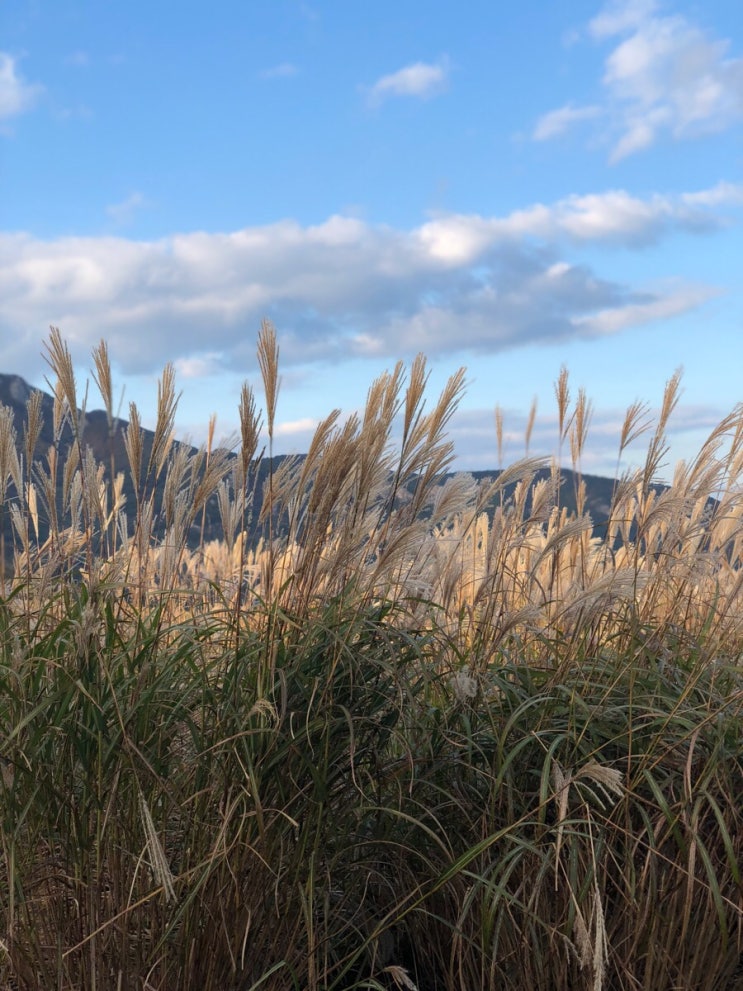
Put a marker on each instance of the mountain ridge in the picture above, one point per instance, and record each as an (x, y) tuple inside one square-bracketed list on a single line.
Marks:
[(106, 441)]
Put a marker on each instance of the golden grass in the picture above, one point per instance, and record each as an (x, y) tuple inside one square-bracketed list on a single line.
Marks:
[(393, 729), (360, 506)]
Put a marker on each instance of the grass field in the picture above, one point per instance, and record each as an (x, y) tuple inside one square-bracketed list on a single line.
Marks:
[(420, 735)]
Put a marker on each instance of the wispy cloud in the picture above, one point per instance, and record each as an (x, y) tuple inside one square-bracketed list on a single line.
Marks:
[(308, 12), (80, 111), (473, 434), (284, 70), (618, 16), (16, 95), (615, 319), (556, 122), (420, 79), (78, 59), (724, 193), (665, 76), (345, 288), (123, 213)]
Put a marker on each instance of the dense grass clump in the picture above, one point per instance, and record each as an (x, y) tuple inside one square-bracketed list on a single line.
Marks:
[(420, 733)]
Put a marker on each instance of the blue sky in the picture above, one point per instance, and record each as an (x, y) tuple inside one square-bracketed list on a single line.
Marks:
[(506, 187)]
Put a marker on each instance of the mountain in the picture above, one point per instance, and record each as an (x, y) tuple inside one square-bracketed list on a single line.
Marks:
[(107, 445)]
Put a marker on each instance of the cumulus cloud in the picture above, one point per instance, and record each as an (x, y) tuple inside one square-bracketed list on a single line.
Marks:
[(665, 76), (421, 79), (345, 288), (16, 95)]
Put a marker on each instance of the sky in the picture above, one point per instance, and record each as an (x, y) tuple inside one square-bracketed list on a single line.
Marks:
[(512, 188)]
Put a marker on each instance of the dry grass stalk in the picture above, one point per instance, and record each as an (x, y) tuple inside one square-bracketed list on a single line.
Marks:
[(268, 361), (513, 601)]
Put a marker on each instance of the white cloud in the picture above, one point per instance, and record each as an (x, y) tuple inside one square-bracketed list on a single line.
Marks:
[(421, 79), (16, 95), (198, 367), (613, 217), (304, 428), (556, 122), (621, 15), (457, 239), (635, 314), (665, 76), (345, 288), (722, 193)]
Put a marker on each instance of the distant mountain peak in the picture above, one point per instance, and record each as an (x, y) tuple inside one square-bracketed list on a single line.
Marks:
[(15, 387)]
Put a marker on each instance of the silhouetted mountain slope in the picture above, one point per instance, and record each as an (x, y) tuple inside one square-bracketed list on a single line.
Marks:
[(106, 441)]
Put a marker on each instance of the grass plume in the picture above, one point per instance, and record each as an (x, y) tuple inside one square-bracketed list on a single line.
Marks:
[(395, 729)]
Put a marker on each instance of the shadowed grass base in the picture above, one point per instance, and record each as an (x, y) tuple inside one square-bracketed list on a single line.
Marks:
[(329, 807)]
